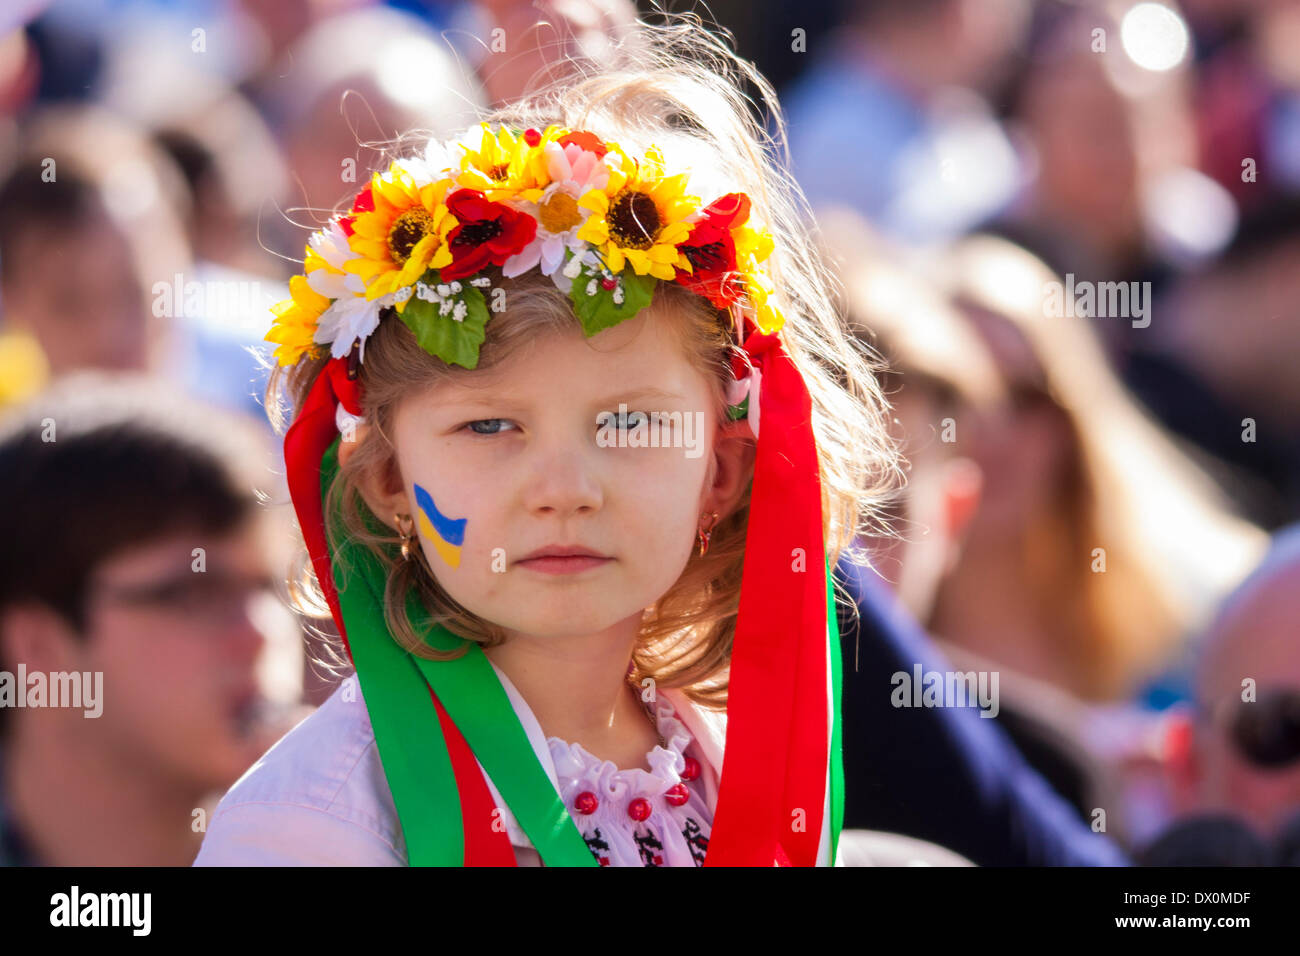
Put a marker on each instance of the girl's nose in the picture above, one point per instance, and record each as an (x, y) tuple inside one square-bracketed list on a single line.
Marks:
[(564, 482)]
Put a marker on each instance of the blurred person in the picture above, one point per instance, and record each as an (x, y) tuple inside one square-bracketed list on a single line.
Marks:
[(1132, 161), (345, 92), (1231, 386), (235, 180), (541, 41), (997, 530), (939, 378), (942, 774), (1238, 749), (135, 555), (1098, 543), (87, 224), (1247, 95), (95, 268), (1098, 547), (1115, 192), (900, 90)]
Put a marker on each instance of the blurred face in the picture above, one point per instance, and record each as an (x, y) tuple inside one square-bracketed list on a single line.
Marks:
[(1259, 643), (101, 320), (519, 461), (1087, 155), (1023, 449), (177, 649)]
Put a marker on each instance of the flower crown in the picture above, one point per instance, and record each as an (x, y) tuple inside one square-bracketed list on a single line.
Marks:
[(602, 225)]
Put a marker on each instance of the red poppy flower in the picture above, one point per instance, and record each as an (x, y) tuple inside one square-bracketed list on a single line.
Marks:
[(488, 233), (711, 251)]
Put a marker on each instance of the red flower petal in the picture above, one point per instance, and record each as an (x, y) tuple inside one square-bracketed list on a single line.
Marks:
[(469, 205), (588, 141), (727, 212), (470, 261), (365, 201), (514, 231)]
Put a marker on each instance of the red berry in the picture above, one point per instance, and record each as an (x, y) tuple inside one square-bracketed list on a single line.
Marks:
[(532, 137), (691, 770), (639, 809), (586, 802), (608, 284), (677, 794)]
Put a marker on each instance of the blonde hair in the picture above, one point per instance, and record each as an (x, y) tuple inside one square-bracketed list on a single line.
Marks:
[(679, 87)]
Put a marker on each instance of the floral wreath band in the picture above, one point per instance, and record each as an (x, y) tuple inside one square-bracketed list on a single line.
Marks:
[(603, 226)]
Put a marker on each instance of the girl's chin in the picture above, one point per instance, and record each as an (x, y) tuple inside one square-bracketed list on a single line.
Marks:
[(559, 622)]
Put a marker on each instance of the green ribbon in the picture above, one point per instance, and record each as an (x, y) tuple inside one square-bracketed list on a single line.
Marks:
[(395, 685), (836, 755)]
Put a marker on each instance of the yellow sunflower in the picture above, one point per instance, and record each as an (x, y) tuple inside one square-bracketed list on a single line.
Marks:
[(295, 322), (500, 167), (535, 172), (402, 236), (639, 216)]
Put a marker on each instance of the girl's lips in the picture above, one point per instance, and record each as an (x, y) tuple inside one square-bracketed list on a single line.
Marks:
[(570, 564)]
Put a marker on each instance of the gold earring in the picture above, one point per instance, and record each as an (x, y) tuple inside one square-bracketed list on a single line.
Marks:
[(711, 519), (406, 532)]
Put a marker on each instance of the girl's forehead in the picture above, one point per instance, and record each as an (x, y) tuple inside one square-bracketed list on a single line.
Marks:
[(640, 352)]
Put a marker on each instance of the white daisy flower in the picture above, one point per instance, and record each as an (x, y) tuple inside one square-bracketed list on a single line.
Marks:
[(351, 318), (331, 244), (573, 171)]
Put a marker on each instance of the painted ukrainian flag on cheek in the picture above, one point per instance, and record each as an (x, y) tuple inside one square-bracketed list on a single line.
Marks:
[(446, 535)]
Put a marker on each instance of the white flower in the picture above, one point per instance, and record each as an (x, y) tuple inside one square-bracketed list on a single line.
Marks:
[(331, 244), (352, 318), (573, 171), (418, 169), (443, 159), (583, 258)]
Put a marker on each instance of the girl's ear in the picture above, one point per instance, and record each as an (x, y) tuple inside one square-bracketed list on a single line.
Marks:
[(733, 457), (382, 489)]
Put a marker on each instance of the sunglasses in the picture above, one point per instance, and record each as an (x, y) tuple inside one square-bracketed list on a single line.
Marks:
[(1266, 731)]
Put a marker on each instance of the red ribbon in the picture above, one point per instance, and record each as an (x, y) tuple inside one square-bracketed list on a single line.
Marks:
[(772, 790)]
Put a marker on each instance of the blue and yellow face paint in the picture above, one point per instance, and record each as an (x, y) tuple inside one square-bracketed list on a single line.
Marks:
[(446, 535)]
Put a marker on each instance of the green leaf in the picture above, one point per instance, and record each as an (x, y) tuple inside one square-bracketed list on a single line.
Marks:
[(456, 343), (599, 311)]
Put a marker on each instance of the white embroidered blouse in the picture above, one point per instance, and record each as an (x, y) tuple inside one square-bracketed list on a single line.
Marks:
[(319, 796), (635, 817)]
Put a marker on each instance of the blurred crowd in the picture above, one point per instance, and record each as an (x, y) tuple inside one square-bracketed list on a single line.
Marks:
[(1070, 231)]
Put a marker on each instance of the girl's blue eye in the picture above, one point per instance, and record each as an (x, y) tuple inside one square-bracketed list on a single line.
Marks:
[(630, 420), (487, 421)]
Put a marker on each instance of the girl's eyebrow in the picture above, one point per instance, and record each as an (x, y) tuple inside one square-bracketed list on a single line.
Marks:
[(503, 402)]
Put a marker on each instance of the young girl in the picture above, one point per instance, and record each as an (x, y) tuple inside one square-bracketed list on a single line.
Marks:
[(576, 439)]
